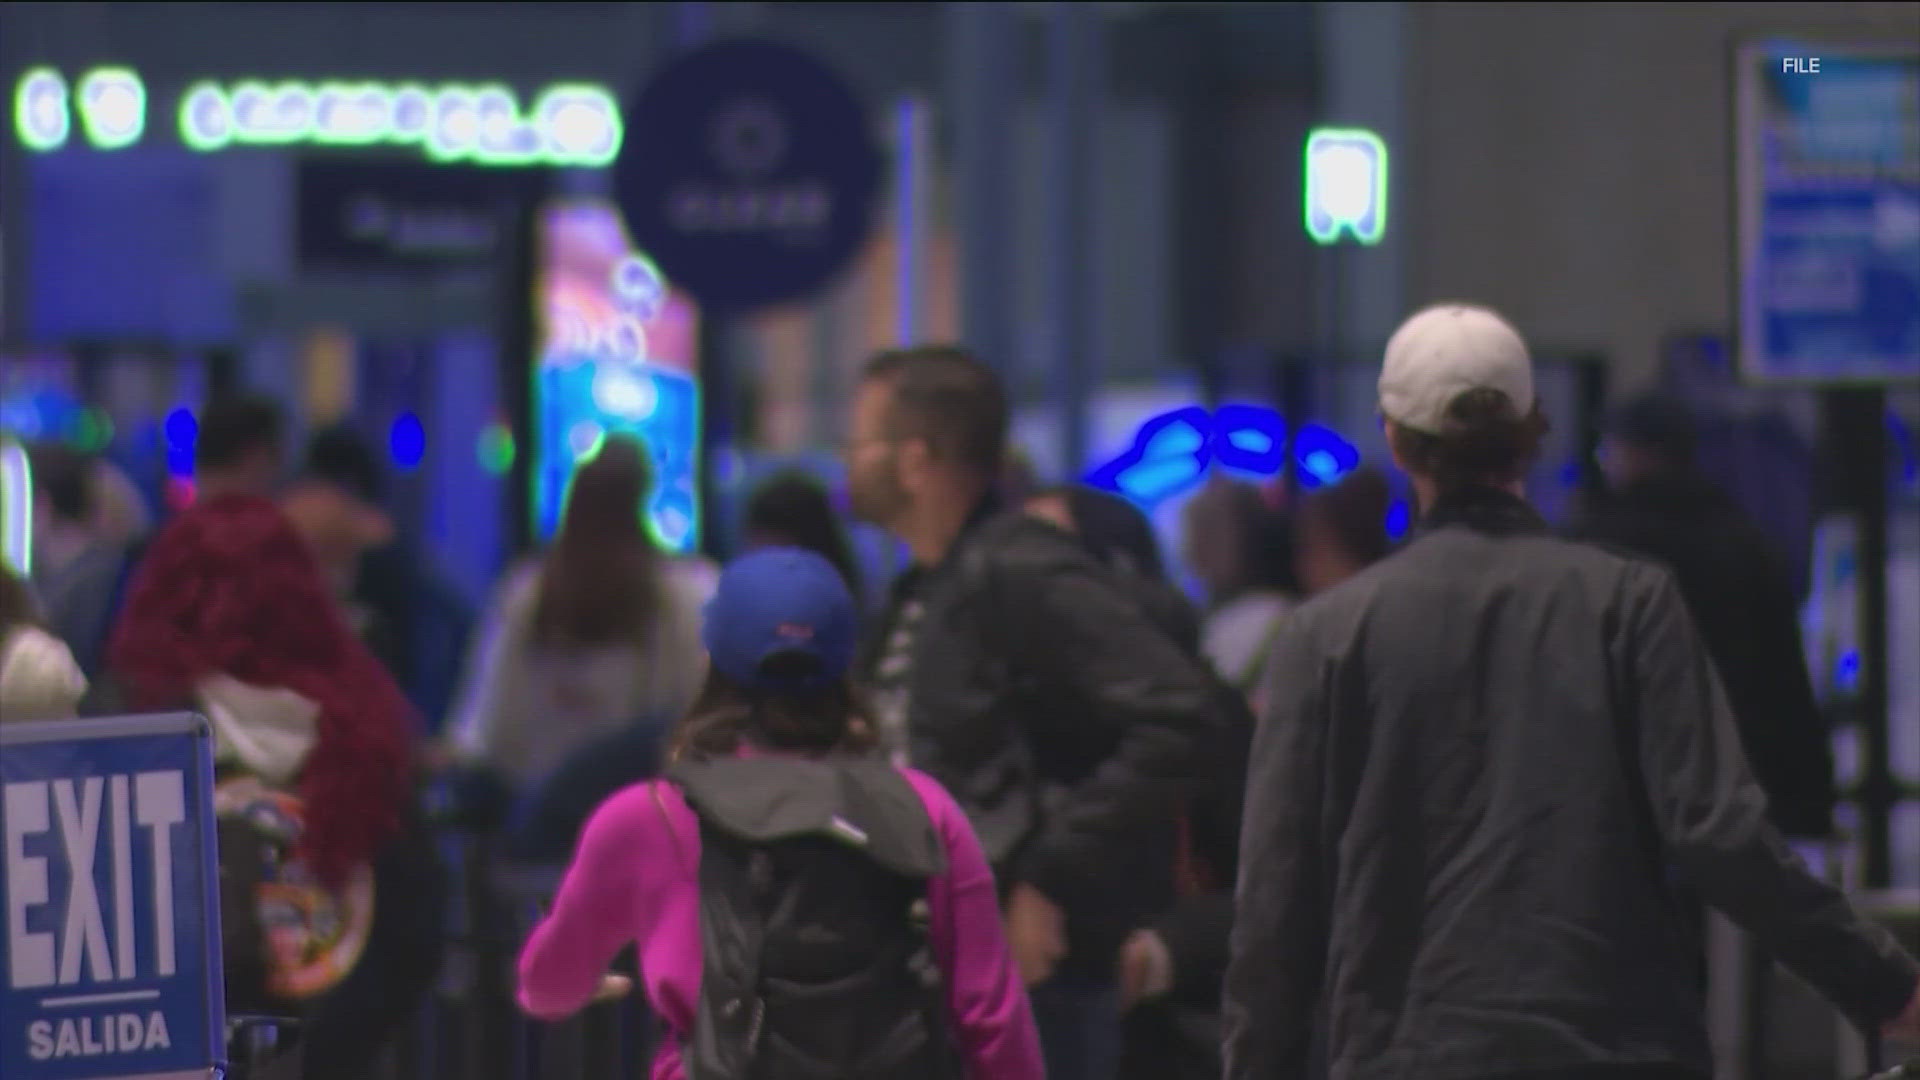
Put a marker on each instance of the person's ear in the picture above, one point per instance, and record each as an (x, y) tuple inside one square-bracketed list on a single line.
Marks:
[(1395, 438), (913, 463)]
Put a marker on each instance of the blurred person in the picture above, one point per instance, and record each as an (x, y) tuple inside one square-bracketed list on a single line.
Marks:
[(792, 509), (1170, 968), (1012, 668), (77, 563), (887, 961), (595, 634), (39, 679), (228, 614), (1018, 478), (1739, 591), (397, 598), (1119, 536), (1341, 530), (1493, 773), (120, 514), (334, 502), (1239, 543)]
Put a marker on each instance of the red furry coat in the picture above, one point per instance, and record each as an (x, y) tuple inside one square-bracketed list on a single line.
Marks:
[(229, 587)]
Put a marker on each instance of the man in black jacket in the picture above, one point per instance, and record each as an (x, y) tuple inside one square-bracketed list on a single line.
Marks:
[(1739, 592), (1012, 668), (1493, 772)]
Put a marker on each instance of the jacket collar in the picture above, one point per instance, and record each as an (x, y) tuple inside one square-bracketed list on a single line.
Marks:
[(909, 579), (1483, 509)]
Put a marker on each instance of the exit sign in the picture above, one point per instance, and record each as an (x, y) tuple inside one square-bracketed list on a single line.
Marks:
[(1346, 186)]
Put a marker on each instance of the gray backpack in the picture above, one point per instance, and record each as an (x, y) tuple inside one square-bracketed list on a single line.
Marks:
[(814, 923)]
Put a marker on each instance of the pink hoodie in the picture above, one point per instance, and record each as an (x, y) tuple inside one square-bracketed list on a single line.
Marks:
[(634, 879)]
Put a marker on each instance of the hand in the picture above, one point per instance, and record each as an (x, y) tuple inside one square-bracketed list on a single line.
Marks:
[(1905, 1027), (612, 988), (1146, 969), (1037, 931)]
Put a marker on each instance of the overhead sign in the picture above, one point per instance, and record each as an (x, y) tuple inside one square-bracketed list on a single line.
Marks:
[(1346, 186), (1828, 186), (402, 215), (750, 174), (568, 125), (108, 881)]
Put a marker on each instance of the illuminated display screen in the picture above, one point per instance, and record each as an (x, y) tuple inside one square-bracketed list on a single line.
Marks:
[(568, 126), (617, 352)]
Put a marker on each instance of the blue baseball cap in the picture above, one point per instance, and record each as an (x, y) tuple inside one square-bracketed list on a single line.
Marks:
[(775, 601)]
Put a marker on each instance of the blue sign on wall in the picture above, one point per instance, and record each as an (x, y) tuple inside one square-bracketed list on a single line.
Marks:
[(1829, 190), (749, 173), (110, 963)]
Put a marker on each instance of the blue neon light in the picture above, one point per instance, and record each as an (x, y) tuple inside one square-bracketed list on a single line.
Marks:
[(1846, 672), (1175, 450), (1399, 520), (1323, 456), (182, 429), (407, 442)]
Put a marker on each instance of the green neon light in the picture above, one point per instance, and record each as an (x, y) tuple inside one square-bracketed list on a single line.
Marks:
[(571, 125), (113, 108), (1346, 185), (40, 116), (16, 508)]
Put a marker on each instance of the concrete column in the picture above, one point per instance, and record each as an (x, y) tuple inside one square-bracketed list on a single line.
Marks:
[(982, 75), (1365, 51), (1075, 70)]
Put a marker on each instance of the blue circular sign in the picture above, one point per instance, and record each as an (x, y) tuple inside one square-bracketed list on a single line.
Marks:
[(749, 173)]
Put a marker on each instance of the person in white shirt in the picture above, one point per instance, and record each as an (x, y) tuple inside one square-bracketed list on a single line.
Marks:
[(599, 633), (1240, 545)]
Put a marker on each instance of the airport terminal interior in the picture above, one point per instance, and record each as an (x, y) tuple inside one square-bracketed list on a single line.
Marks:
[(442, 259)]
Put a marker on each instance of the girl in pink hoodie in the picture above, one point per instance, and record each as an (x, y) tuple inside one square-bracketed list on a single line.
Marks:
[(780, 634)]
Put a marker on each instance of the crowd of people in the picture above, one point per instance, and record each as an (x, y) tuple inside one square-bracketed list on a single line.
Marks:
[(1444, 809)]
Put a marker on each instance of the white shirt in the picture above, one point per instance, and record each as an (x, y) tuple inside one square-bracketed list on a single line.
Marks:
[(1239, 630), (522, 709)]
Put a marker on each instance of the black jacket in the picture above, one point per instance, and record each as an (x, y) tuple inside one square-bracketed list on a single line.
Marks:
[(1493, 770), (1066, 723), (1742, 598)]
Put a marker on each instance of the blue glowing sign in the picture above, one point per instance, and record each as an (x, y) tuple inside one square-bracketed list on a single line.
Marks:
[(1175, 450), (111, 960), (1346, 185)]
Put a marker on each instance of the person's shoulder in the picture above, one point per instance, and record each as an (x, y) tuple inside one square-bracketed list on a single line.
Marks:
[(1014, 541), (642, 808), (940, 803)]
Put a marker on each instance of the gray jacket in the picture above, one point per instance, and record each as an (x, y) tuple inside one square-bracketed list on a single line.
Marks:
[(1495, 772)]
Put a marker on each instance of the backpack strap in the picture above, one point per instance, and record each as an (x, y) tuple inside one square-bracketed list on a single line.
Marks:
[(1249, 678)]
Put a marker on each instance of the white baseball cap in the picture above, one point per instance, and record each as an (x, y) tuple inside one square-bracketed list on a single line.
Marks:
[(1444, 351)]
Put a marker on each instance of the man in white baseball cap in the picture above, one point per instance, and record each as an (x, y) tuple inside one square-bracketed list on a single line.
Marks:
[(1494, 772), (1457, 393)]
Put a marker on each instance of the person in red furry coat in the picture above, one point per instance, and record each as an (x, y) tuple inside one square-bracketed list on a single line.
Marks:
[(230, 588)]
